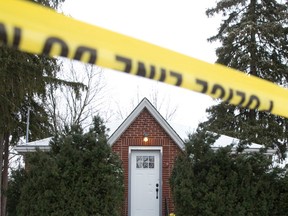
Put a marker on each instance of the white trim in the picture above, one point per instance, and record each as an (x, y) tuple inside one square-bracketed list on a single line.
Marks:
[(135, 113), (249, 150), (145, 148), (26, 148)]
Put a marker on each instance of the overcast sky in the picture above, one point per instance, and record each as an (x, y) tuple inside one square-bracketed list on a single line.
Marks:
[(179, 25)]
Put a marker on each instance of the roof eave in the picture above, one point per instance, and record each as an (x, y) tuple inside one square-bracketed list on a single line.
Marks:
[(31, 148)]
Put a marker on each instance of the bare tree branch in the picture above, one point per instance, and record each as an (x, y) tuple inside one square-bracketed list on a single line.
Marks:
[(160, 101), (67, 108)]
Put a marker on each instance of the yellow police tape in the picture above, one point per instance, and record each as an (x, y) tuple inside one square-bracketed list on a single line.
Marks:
[(35, 29)]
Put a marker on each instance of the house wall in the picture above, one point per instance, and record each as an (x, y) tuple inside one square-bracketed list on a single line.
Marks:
[(133, 136)]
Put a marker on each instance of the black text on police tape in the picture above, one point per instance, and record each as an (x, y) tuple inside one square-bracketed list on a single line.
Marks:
[(149, 71), (219, 91)]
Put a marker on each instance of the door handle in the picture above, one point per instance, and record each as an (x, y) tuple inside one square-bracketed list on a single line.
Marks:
[(157, 193), (157, 185)]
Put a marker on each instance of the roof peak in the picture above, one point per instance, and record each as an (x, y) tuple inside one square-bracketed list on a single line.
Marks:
[(145, 103)]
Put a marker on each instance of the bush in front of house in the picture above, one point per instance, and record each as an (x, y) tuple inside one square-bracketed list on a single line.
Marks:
[(205, 182), (79, 176)]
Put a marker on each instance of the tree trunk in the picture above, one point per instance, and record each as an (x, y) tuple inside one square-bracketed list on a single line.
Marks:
[(252, 49), (5, 175), (253, 44), (1, 163)]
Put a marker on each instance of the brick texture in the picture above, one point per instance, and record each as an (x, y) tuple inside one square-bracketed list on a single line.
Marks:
[(133, 136)]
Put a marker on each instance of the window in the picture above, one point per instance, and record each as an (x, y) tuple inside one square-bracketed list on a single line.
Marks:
[(145, 162)]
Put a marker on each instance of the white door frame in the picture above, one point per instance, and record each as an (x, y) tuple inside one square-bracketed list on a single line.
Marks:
[(145, 148)]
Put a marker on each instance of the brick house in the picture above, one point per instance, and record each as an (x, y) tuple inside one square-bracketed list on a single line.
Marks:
[(147, 163)]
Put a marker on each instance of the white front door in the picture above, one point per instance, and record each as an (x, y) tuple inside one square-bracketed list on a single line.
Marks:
[(145, 190)]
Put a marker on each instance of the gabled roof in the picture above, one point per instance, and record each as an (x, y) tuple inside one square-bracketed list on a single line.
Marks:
[(145, 103), (224, 141), (42, 145)]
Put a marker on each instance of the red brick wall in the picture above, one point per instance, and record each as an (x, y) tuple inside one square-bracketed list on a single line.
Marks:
[(133, 136)]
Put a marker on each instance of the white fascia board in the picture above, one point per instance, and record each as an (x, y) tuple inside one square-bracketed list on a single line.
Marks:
[(125, 124), (31, 148), (250, 150), (169, 130), (135, 113)]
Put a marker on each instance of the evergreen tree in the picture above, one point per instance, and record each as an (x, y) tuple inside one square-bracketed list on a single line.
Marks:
[(79, 176), (16, 182), (254, 40), (24, 79), (208, 182)]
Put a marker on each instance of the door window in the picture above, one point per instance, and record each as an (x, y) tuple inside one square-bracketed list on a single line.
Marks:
[(145, 162)]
